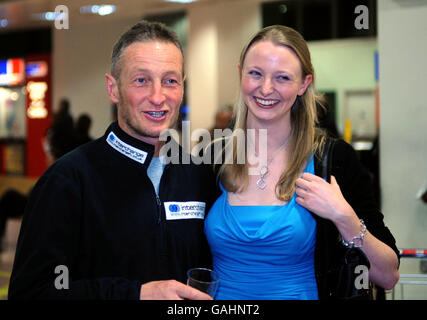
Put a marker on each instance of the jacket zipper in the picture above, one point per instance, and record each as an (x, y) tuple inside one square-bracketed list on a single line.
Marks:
[(159, 209), (162, 224)]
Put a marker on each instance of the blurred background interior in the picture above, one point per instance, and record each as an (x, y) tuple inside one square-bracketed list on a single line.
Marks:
[(370, 62)]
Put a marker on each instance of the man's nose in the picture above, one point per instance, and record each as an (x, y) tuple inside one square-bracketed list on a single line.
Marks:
[(157, 96)]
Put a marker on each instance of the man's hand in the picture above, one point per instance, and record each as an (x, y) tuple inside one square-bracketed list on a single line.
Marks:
[(170, 290)]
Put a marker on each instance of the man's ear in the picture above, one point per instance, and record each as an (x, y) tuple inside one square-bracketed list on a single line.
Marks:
[(305, 84), (112, 88)]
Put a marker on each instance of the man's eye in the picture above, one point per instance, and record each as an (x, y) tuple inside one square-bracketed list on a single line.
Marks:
[(140, 80), (171, 81)]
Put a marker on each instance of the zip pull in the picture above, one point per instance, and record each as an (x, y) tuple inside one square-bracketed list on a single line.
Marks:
[(159, 206)]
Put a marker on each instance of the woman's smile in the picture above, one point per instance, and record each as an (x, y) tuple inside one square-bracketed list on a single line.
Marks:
[(266, 103)]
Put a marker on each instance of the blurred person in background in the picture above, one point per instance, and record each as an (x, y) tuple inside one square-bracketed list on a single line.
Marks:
[(223, 119), (83, 125), (60, 137)]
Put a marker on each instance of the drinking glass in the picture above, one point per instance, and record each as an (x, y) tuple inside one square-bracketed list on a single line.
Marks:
[(203, 279)]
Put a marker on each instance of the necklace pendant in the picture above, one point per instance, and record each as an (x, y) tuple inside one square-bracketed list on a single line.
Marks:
[(261, 184), (263, 171)]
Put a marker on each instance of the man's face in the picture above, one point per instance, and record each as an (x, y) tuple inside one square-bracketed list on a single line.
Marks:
[(150, 90)]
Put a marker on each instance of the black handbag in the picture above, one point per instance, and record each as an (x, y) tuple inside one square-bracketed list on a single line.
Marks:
[(352, 284), (350, 278)]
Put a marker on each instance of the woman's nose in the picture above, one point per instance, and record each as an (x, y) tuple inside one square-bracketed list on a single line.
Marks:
[(266, 87)]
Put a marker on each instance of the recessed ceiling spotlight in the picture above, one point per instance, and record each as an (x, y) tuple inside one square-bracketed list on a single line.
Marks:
[(180, 1), (102, 10), (49, 16)]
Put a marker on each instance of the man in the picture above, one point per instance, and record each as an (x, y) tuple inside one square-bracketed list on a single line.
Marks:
[(109, 220)]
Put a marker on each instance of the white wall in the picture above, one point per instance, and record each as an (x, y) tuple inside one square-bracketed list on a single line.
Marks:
[(237, 22), (402, 41), (344, 65), (217, 34), (202, 65), (81, 57)]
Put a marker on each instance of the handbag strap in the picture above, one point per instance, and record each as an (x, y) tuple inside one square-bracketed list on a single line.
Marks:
[(326, 163)]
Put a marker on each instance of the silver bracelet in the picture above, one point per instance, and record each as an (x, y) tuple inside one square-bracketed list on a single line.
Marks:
[(356, 242)]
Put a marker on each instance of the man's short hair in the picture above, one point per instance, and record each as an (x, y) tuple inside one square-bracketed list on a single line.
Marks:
[(143, 31)]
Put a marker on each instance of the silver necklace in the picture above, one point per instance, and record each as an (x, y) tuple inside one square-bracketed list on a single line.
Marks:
[(261, 184)]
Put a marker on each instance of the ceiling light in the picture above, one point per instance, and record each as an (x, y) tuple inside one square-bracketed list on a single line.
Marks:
[(49, 16), (106, 10), (180, 1), (102, 10)]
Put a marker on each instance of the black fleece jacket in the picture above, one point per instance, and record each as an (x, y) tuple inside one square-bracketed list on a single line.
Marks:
[(95, 211)]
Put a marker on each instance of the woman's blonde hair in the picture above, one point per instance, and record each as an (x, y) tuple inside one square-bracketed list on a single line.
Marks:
[(305, 139)]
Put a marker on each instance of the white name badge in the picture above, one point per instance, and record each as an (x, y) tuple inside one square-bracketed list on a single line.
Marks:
[(126, 149), (185, 210)]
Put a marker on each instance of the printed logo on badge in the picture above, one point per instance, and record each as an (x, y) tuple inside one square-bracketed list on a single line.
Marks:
[(185, 210), (174, 208), (126, 149)]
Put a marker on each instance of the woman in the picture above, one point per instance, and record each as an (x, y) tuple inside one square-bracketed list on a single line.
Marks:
[(274, 234)]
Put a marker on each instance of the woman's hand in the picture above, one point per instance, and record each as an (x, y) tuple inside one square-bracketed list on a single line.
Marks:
[(326, 200), (322, 198)]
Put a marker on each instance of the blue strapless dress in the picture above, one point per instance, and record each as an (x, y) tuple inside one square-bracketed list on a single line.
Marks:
[(263, 252)]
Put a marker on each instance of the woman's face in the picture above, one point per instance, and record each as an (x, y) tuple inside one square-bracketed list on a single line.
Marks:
[(271, 81)]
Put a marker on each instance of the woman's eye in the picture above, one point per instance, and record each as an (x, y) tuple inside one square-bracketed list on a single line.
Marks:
[(283, 78), (255, 73)]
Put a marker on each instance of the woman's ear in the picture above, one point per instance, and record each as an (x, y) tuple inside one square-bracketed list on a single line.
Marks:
[(308, 79), (239, 68), (112, 88)]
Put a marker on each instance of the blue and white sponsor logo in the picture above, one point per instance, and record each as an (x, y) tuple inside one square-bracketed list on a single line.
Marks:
[(185, 210), (174, 208), (126, 149)]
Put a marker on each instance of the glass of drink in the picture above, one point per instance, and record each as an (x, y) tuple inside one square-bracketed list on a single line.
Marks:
[(203, 279)]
